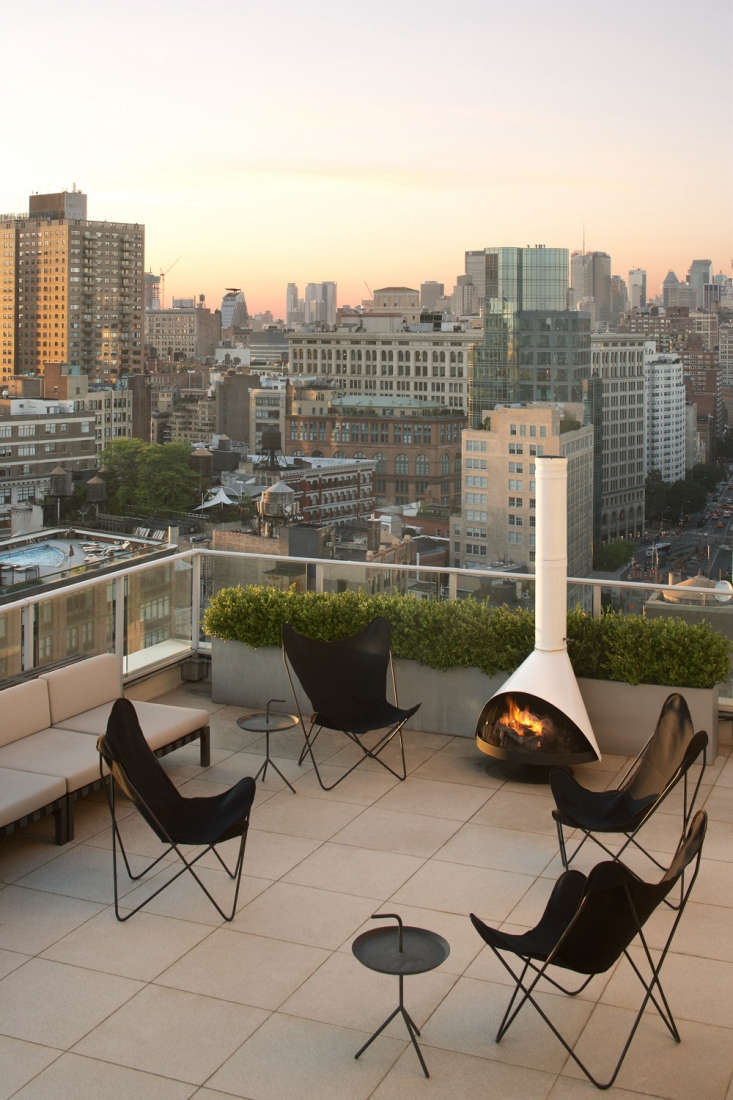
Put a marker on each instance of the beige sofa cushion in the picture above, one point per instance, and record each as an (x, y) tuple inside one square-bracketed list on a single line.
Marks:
[(82, 686), (70, 756), (23, 792), (160, 723), (25, 710)]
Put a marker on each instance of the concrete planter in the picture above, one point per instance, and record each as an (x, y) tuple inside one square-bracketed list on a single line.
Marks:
[(623, 716)]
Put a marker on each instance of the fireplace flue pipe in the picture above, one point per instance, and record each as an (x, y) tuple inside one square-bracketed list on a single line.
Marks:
[(547, 673)]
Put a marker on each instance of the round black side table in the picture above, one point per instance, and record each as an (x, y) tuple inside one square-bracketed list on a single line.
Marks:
[(269, 723), (400, 950)]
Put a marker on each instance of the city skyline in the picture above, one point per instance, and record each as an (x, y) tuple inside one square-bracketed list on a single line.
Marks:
[(296, 147)]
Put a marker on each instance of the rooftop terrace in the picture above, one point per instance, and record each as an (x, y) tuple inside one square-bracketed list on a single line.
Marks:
[(175, 1004)]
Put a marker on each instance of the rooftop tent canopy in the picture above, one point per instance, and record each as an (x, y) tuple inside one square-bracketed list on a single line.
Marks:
[(219, 497)]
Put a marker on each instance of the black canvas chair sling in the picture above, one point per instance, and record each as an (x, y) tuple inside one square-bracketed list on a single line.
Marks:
[(345, 682), (176, 820), (664, 761), (589, 922)]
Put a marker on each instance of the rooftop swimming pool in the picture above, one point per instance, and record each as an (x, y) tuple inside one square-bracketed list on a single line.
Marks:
[(45, 555)]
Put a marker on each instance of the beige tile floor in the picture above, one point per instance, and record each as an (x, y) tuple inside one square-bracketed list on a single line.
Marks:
[(176, 1004)]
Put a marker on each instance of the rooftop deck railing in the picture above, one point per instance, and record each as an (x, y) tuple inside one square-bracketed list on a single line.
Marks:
[(150, 614)]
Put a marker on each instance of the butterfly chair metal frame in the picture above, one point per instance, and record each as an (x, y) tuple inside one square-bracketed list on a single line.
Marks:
[(626, 809), (588, 923), (176, 820), (345, 682)]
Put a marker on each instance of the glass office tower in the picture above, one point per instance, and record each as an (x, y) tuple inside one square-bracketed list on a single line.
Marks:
[(533, 347)]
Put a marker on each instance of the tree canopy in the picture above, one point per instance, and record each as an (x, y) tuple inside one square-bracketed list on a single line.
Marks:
[(669, 501), (611, 556), (149, 477)]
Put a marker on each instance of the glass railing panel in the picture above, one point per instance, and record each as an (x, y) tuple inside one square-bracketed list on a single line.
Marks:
[(11, 636), (426, 585), (343, 576), (73, 625), (226, 571), (158, 609), (497, 589)]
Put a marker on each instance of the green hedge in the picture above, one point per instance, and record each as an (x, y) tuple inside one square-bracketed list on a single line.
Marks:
[(469, 633)]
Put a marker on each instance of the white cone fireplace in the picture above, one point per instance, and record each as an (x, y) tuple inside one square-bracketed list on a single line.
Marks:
[(538, 715)]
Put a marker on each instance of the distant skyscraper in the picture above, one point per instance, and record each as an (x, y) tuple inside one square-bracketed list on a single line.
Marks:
[(234, 309), (329, 297), (152, 290), (591, 278), (291, 303), (475, 266), (464, 297), (619, 298), (637, 288), (72, 289), (699, 274), (320, 303), (669, 286), (429, 294)]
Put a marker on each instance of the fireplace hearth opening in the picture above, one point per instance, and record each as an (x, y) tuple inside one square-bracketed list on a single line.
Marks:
[(525, 729)]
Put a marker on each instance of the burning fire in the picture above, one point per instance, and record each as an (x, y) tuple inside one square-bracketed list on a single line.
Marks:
[(522, 721)]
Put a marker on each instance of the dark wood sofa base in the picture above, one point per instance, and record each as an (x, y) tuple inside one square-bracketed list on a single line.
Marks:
[(63, 808)]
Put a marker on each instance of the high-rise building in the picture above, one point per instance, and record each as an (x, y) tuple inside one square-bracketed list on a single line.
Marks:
[(320, 304), (429, 294), (617, 400), (669, 286), (526, 278), (619, 298), (725, 353), (464, 297), (664, 399), (291, 304), (637, 288), (475, 266), (234, 312), (533, 347), (699, 274), (591, 279), (72, 289), (152, 290)]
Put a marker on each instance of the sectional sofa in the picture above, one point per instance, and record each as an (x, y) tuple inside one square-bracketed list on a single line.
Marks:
[(48, 739)]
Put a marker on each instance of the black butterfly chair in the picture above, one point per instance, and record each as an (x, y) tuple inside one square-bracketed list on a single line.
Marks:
[(176, 820), (661, 764), (346, 682), (589, 922)]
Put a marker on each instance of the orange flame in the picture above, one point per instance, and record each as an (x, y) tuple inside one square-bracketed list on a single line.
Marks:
[(522, 721)]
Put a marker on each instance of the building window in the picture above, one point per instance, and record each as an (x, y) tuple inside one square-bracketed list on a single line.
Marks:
[(422, 465), (401, 464)]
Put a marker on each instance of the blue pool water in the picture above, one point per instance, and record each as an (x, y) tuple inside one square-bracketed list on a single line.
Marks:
[(45, 554)]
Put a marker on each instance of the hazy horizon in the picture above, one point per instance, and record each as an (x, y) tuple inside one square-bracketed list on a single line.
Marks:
[(373, 149)]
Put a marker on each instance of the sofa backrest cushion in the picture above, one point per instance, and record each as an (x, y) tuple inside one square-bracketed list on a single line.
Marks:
[(25, 710), (83, 685)]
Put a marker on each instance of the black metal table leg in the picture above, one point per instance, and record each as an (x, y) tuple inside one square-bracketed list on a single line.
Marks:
[(412, 1028)]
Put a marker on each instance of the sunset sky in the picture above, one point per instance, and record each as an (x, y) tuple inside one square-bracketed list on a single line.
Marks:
[(264, 143)]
